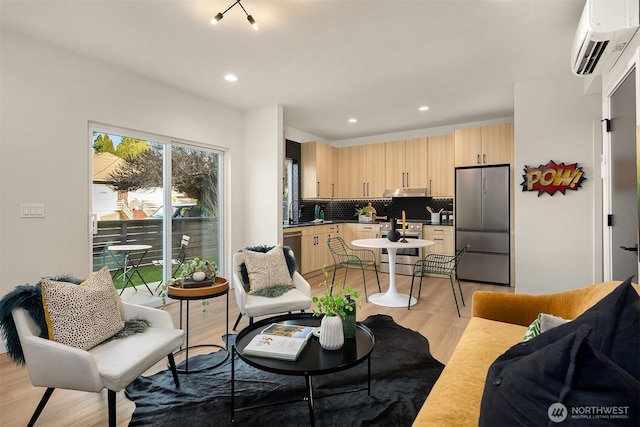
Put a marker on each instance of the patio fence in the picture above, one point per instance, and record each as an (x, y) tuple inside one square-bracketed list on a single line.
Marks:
[(203, 243)]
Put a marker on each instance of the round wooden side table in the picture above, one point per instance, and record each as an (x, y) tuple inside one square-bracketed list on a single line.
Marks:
[(212, 289)]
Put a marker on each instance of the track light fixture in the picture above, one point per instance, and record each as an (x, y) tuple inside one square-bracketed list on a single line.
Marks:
[(220, 15)]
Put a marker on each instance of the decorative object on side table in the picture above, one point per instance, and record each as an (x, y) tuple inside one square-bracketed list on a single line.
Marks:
[(196, 273), (337, 306), (199, 269)]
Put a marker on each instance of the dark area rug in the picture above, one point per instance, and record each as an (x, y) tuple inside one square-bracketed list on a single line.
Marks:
[(402, 374)]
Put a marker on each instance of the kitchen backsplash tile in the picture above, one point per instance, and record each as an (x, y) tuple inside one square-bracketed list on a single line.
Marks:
[(343, 210)]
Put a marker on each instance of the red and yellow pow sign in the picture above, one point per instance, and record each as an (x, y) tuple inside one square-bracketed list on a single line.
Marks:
[(552, 177)]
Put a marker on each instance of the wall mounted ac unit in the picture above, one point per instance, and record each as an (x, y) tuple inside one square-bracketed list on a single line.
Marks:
[(604, 31)]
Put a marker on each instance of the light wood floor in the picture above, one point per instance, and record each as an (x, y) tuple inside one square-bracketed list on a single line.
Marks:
[(434, 317)]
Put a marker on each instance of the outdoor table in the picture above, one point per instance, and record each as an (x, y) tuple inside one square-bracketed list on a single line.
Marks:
[(129, 265)]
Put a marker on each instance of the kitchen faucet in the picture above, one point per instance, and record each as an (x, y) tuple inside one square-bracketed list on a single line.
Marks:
[(291, 212)]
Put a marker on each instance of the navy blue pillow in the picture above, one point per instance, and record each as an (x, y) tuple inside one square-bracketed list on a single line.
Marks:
[(524, 381), (615, 323), (566, 382)]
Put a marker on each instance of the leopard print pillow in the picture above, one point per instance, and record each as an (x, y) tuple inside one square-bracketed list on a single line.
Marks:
[(84, 315), (266, 270)]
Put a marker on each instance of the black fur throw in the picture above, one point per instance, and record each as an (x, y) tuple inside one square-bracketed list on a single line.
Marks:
[(28, 297)]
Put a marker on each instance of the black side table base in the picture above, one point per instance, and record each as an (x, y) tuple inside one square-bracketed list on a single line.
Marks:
[(185, 349)]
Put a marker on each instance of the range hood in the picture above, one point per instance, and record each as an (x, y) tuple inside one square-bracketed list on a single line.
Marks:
[(405, 192)]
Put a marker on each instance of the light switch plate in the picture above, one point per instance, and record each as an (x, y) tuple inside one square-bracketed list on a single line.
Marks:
[(31, 210)]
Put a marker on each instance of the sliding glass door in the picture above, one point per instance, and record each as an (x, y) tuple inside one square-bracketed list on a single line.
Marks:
[(155, 204)]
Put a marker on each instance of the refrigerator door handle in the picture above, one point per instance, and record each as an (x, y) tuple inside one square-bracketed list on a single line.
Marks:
[(484, 185)]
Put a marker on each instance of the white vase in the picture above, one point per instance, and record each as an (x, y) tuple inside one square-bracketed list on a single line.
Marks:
[(198, 276), (331, 333)]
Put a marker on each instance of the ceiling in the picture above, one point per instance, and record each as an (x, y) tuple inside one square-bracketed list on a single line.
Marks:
[(325, 61)]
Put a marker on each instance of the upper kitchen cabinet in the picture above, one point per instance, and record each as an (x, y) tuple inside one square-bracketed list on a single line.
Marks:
[(375, 170), (351, 166), (406, 163), (319, 170), (486, 145), (440, 166), (497, 143), (361, 171)]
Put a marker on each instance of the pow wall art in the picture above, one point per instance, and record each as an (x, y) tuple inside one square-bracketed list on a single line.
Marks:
[(552, 177)]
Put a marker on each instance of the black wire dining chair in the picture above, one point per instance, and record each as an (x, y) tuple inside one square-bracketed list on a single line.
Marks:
[(443, 265), (345, 256)]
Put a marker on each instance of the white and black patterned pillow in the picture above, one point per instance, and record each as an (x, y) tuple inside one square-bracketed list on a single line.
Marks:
[(84, 315), (543, 323), (266, 270)]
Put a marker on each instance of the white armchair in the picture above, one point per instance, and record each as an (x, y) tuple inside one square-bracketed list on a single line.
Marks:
[(112, 365), (253, 306)]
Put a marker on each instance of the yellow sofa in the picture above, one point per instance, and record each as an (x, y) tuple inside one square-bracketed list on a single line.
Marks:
[(499, 321)]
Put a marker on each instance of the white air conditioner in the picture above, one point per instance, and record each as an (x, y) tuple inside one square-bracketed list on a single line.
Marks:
[(604, 31)]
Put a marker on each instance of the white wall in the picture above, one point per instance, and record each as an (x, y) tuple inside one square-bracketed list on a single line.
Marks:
[(557, 238), (262, 196), (48, 98)]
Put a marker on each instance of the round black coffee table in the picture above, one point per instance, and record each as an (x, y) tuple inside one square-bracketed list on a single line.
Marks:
[(314, 360)]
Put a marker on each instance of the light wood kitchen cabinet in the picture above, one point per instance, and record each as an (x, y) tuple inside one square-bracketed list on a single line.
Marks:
[(443, 236), (351, 167), (349, 232), (497, 143), (368, 231), (312, 248), (440, 166), (406, 163), (319, 170), (331, 230), (360, 171), (486, 145), (315, 252), (375, 170)]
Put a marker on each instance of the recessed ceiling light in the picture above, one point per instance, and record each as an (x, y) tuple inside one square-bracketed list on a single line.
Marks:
[(353, 120), (231, 78), (423, 108)]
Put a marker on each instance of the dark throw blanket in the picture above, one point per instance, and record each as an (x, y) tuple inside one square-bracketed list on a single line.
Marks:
[(402, 374), (29, 297)]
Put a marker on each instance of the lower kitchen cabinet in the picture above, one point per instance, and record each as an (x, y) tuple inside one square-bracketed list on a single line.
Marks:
[(443, 236), (367, 231), (315, 252)]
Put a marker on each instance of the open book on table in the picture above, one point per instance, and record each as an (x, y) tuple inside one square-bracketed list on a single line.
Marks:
[(279, 341)]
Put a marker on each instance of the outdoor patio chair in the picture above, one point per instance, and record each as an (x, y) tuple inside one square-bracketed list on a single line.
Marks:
[(345, 256), (182, 256), (442, 265)]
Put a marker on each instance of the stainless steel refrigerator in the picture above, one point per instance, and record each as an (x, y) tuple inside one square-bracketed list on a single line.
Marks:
[(482, 220)]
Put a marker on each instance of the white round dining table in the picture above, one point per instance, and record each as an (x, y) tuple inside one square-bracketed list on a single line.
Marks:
[(392, 298)]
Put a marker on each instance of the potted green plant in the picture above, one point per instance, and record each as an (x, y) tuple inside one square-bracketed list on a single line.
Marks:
[(362, 215), (199, 269), (209, 270), (338, 307)]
